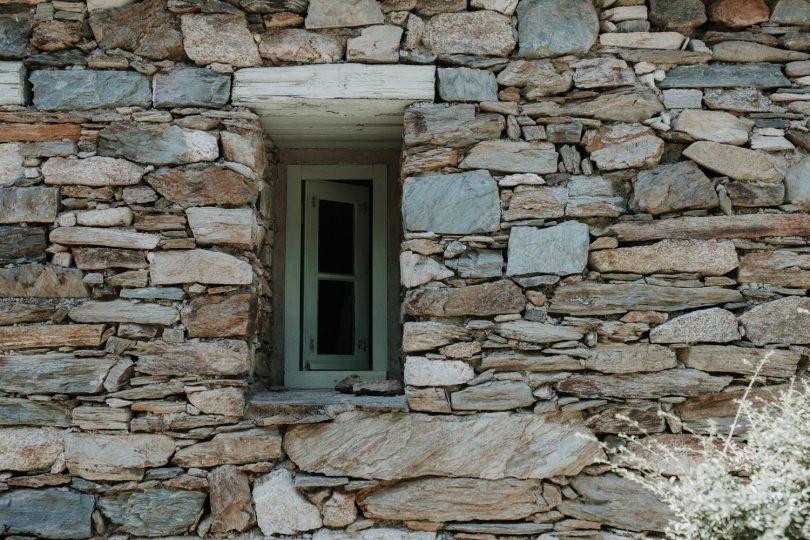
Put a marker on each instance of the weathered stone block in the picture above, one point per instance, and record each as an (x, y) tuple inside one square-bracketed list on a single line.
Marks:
[(745, 360), (786, 320), (229, 226), (156, 144), (465, 84), (725, 76), (339, 13), (301, 46), (623, 146), (737, 163), (220, 315), (88, 89), (231, 503), (512, 156), (251, 446), (28, 204), (100, 236), (204, 187), (621, 358), (90, 258), (421, 371), (198, 266), (48, 513), (449, 125), (219, 37), (152, 512), (453, 203), (225, 357), (541, 202), (93, 171), (280, 508), (53, 373), (561, 249), (550, 28), (124, 311), (538, 332), (673, 186), (11, 164), (15, 28), (424, 336), (482, 300), (479, 263), (708, 325), (191, 87), (115, 457), (707, 257), (33, 337), (416, 269), (25, 412), (377, 44), (21, 243), (669, 382), (484, 33), (29, 449), (493, 396), (146, 28)]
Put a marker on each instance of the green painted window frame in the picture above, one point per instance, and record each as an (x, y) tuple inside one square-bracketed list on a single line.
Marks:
[(294, 375)]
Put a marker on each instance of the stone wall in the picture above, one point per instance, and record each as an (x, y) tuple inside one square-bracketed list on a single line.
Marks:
[(605, 220)]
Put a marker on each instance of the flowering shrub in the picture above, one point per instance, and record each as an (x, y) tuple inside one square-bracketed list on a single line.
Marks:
[(734, 491)]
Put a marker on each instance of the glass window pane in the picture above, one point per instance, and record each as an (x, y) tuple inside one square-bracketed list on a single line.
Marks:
[(335, 317), (335, 237)]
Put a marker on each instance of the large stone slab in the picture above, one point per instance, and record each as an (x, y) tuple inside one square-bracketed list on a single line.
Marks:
[(53, 373), (157, 144), (124, 311), (479, 263), (220, 315), (538, 332), (198, 266), (797, 183), (155, 511), (786, 320), (713, 325), (482, 300), (489, 447), (715, 126), (428, 335), (460, 203), (707, 257), (454, 499), (617, 502), (25, 412), (623, 146), (29, 449), (250, 446), (301, 46), (673, 186), (725, 76), (561, 249), (281, 509), (451, 125), (235, 227), (714, 227), (465, 84), (103, 236), (93, 171), (732, 161), (493, 396), (95, 456), (41, 281), (541, 202), (89, 89), (621, 358), (47, 513), (512, 156), (746, 51), (39, 336), (28, 204), (744, 360), (91, 258), (791, 12), (219, 37), (16, 23), (549, 28), (713, 414), (784, 268), (609, 298), (420, 371), (669, 382), (146, 28), (225, 357), (204, 187), (191, 87), (338, 13), (484, 33), (231, 504)]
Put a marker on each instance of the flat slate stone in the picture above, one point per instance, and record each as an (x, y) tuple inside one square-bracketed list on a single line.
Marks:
[(623, 358), (124, 311), (654, 385), (680, 14), (493, 396), (707, 257), (791, 12), (204, 187), (341, 13), (624, 105), (87, 89), (455, 125), (725, 76), (784, 268), (191, 87), (224, 357), (561, 249), (48, 513), (797, 184), (487, 299), (25, 412), (454, 446), (713, 325), (512, 157), (198, 266), (36, 204), (465, 84), (673, 186), (93, 171), (483, 32), (783, 321), (146, 28), (249, 446), (550, 28), (21, 243), (15, 29), (156, 144), (219, 37), (41, 281), (462, 203), (152, 512), (478, 263), (53, 373), (733, 161)]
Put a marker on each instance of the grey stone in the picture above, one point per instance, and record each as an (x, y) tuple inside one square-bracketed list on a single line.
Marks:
[(677, 14), (714, 325), (462, 203), (556, 27), (219, 37), (786, 320), (152, 512), (157, 144), (483, 32), (561, 249), (493, 396), (25, 412), (651, 385), (191, 87), (623, 146), (55, 373), (744, 51), (753, 194), (624, 105), (683, 98), (465, 84), (673, 186), (280, 508), (48, 513), (339, 13), (479, 263), (739, 100), (21, 243), (28, 204), (791, 12), (15, 29), (797, 183), (537, 332), (115, 457), (449, 125), (733, 161), (11, 164), (88, 89), (512, 157), (725, 76)]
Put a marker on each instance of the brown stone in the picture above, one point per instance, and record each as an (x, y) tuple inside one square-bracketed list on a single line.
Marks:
[(24, 313), (482, 32), (29, 449), (710, 413), (458, 125), (224, 401), (530, 202), (41, 281), (643, 418), (620, 358), (251, 446), (225, 357), (198, 266), (28, 204), (203, 187), (32, 337), (428, 335), (220, 315), (115, 457), (739, 13), (480, 300), (708, 257), (783, 268), (231, 504), (21, 243), (90, 418), (670, 382), (102, 236), (54, 373), (219, 37), (713, 227), (103, 258), (146, 28), (55, 35), (745, 360), (39, 132)]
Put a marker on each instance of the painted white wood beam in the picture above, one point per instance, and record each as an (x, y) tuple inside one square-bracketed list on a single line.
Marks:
[(12, 83)]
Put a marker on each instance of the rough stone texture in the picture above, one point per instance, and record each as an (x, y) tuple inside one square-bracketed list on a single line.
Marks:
[(452, 125), (231, 503), (203, 187), (423, 336), (509, 156), (620, 358), (32, 337), (146, 28), (675, 15), (15, 29), (739, 13), (220, 316), (482, 32), (556, 28), (198, 266), (737, 163), (375, 45), (49, 513), (709, 325), (745, 360), (725, 76), (791, 12), (776, 268), (561, 249), (152, 512), (236, 227), (85, 89), (225, 357), (299, 45), (537, 332), (483, 300), (221, 37), (157, 145), (421, 371), (11, 164), (526, 447), (716, 126), (712, 258), (124, 311), (670, 382), (797, 183), (29, 449), (53, 373), (481, 263), (115, 457), (623, 146), (280, 508), (454, 203), (332, 14), (465, 84), (191, 87), (493, 396), (784, 320), (673, 186), (41, 281), (29, 204), (251, 446)]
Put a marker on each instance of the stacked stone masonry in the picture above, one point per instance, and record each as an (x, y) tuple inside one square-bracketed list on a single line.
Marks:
[(605, 219)]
